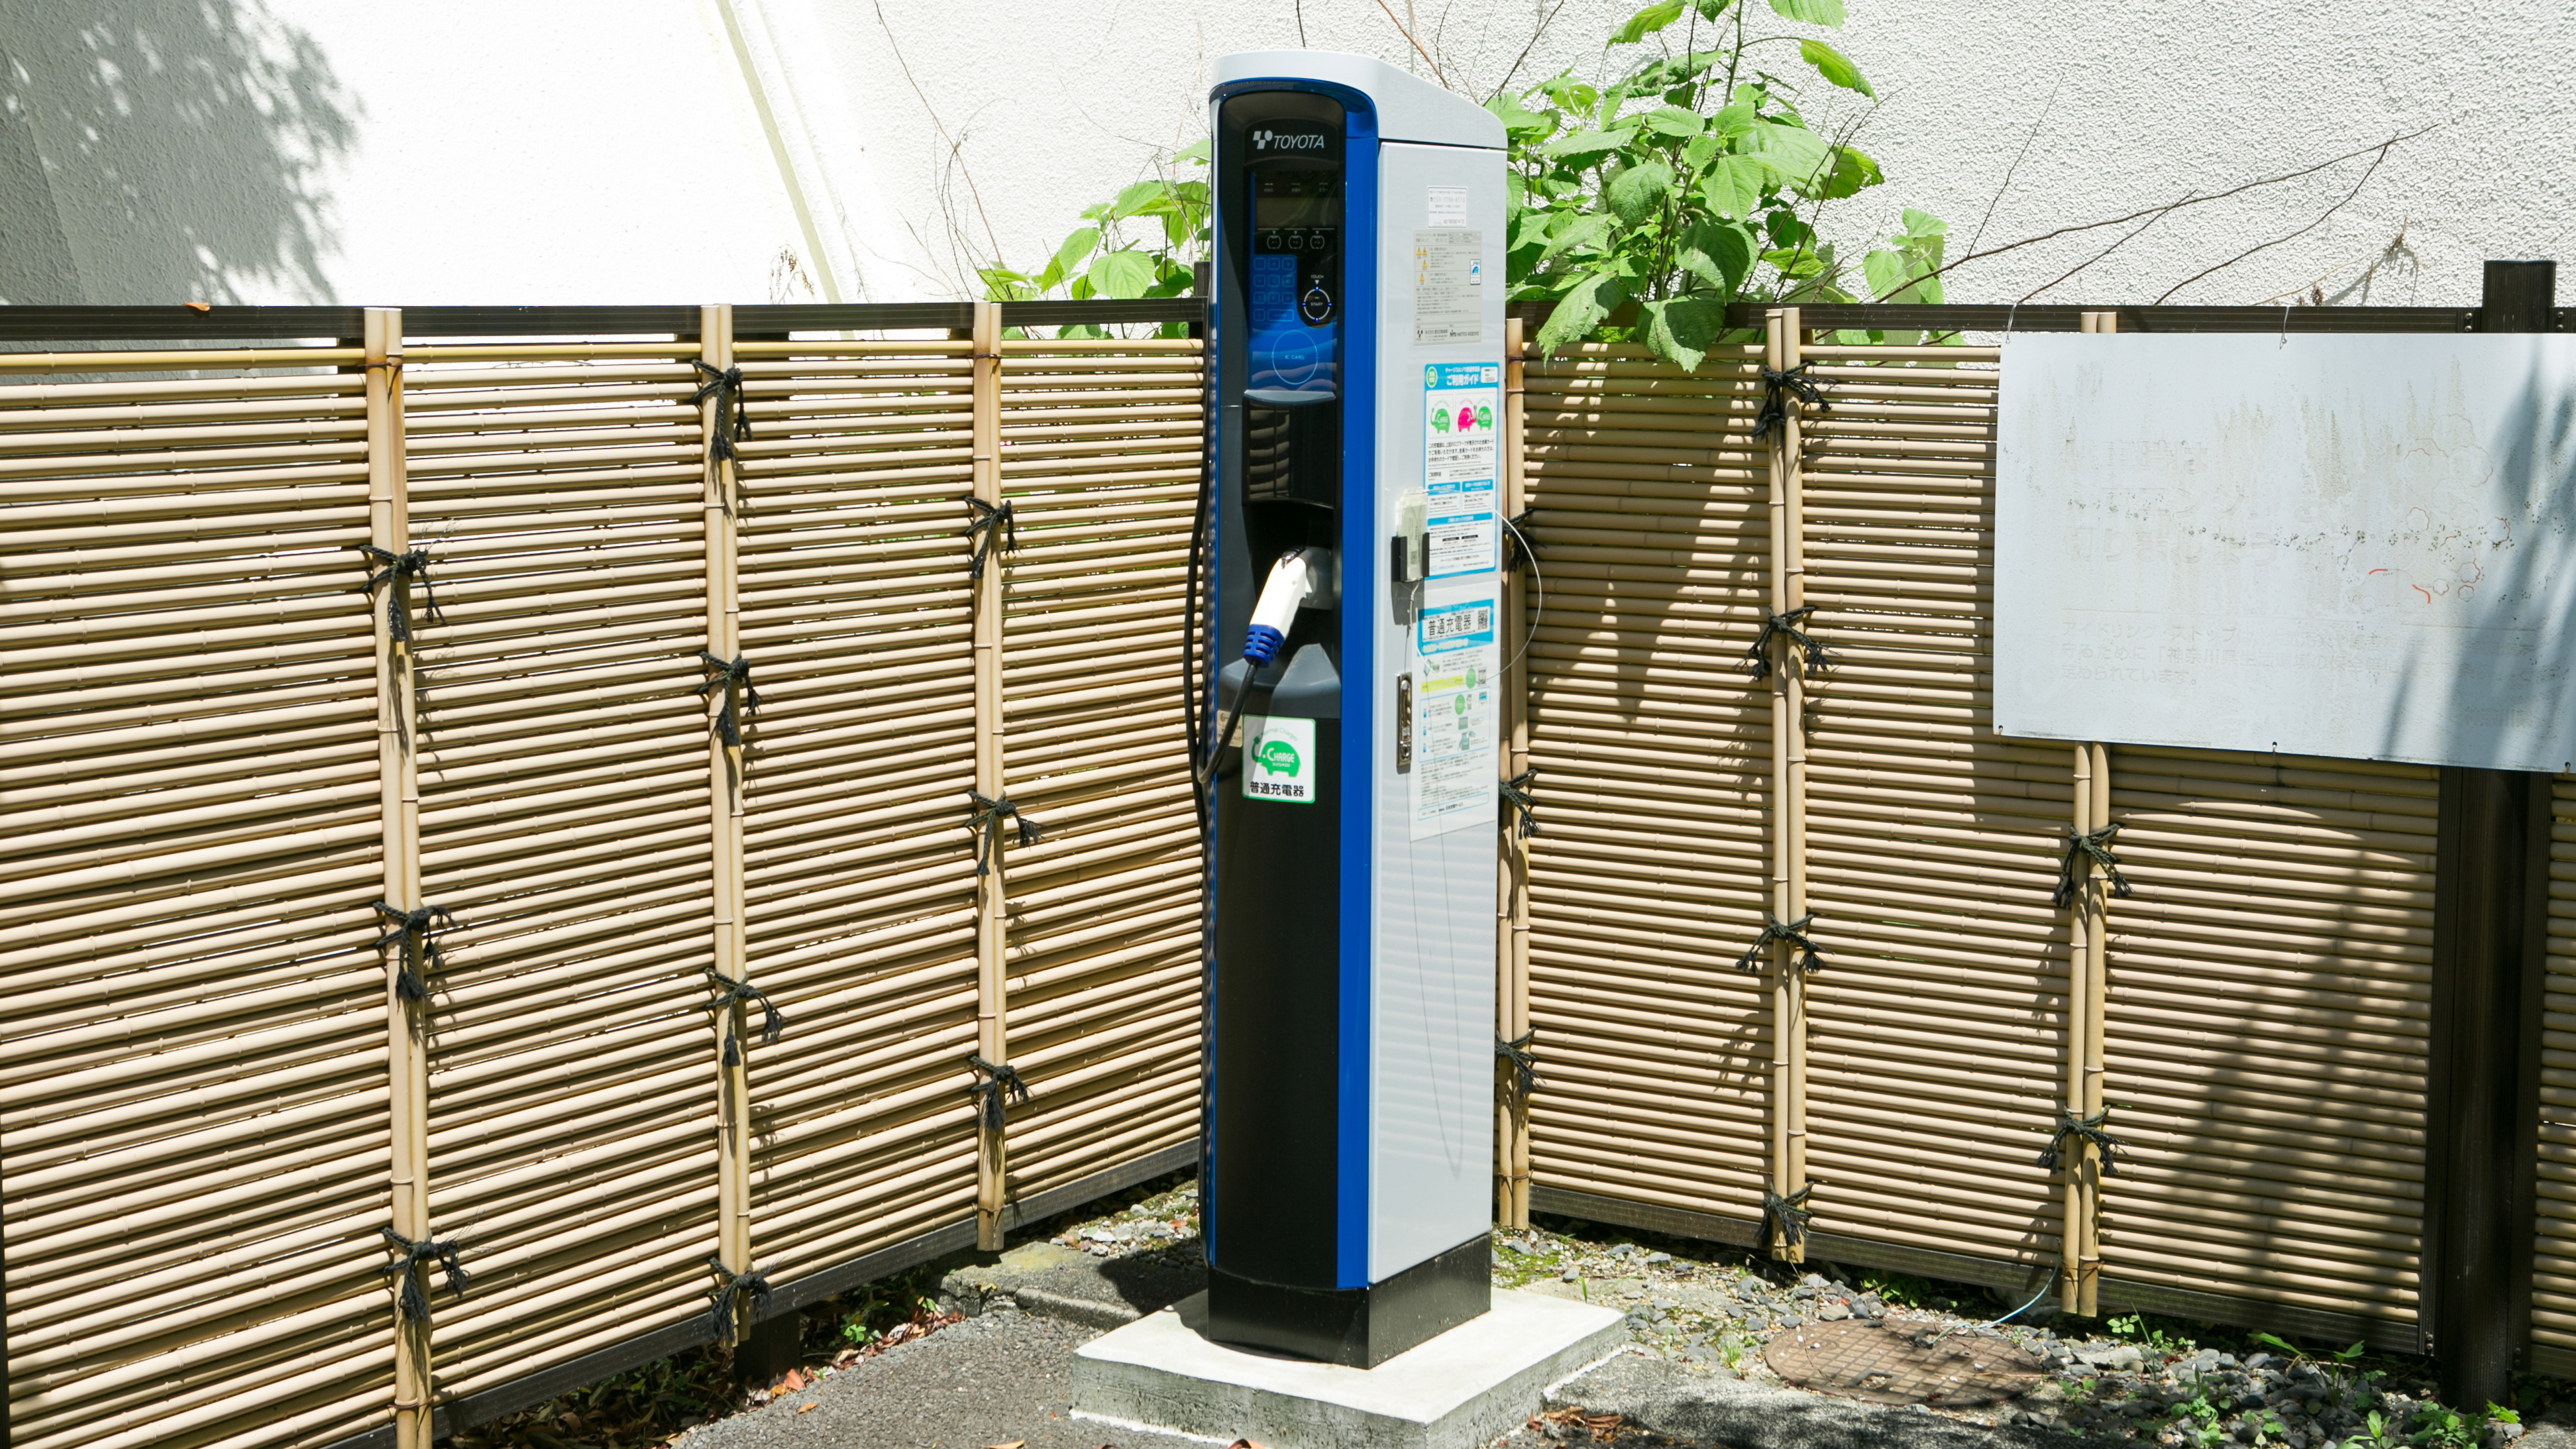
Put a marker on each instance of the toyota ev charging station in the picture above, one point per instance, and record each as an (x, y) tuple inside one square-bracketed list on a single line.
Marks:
[(1358, 332)]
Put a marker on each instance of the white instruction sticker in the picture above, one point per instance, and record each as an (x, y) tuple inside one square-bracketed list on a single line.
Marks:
[(1448, 287), (1447, 206), (1455, 658), (1279, 760), (1462, 417)]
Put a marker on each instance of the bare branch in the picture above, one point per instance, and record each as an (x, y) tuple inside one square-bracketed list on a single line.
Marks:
[(2009, 170), (2125, 238), (1301, 24), (955, 151), (2381, 147), (1416, 44), (2366, 174), (1517, 61)]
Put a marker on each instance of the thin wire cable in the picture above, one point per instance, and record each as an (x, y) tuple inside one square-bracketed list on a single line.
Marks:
[(1538, 574), (1992, 1322)]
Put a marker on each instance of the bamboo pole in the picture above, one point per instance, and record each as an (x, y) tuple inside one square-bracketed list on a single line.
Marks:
[(398, 773), (992, 1034), (2093, 811), (1788, 792), (1511, 1000), (725, 814)]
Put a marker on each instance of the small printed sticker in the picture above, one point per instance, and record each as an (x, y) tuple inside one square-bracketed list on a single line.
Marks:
[(1279, 760)]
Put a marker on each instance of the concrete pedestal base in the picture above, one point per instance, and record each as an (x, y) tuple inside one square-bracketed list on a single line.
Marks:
[(1470, 1385)]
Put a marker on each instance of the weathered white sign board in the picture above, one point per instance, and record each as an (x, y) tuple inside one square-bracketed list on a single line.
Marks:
[(2356, 546)]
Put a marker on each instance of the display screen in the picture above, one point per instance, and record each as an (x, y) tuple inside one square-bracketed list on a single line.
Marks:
[(1303, 207)]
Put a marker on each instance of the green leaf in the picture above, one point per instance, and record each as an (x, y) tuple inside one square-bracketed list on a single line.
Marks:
[(1518, 120), (1195, 151), (1810, 12), (1795, 262), (1835, 66), (1570, 229), (1924, 224), (1634, 193), (1122, 274), (1795, 152), (1134, 199), (1719, 254), (1585, 143), (1591, 298), (1077, 248), (1674, 121), (1680, 331), (1712, 9), (1733, 186), (1848, 172), (1646, 22)]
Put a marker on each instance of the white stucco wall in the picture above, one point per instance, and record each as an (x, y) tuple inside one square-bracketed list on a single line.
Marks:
[(672, 150)]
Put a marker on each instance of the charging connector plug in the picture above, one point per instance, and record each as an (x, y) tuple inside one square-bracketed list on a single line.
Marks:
[(1301, 579)]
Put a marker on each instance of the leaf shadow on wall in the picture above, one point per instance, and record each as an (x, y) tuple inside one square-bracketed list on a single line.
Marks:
[(161, 151)]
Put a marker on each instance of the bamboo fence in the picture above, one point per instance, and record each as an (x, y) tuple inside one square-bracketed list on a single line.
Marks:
[(349, 929), (2249, 1027), (729, 670)]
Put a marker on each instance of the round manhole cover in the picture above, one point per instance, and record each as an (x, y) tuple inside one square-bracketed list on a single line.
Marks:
[(1902, 1361)]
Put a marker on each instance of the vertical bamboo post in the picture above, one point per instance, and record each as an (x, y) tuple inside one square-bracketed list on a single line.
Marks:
[(2080, 970), (725, 814), (2097, 994), (992, 1034), (398, 773), (1788, 791), (1511, 999), (2087, 987)]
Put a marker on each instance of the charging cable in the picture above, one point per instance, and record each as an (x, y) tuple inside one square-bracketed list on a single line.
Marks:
[(1302, 577)]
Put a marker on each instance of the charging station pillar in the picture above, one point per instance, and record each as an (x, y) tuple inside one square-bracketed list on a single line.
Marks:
[(1357, 334)]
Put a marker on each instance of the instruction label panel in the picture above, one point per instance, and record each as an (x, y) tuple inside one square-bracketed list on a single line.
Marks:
[(1455, 659), (1448, 286), (1462, 407), (1279, 760)]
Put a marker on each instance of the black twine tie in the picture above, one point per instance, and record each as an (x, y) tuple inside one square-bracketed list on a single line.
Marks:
[(2097, 844), (1516, 798), (733, 676), (1757, 659), (730, 1291), (415, 562), (413, 1303), (1778, 385), (2090, 1130), (1784, 1219), (986, 823), (418, 945), (725, 386), (1795, 933), (1517, 548), (1516, 1050), (731, 993), (988, 1092), (992, 526)]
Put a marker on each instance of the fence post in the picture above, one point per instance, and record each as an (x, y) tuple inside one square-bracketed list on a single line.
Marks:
[(1511, 998), (2490, 938), (2088, 966), (398, 774), (992, 1026), (1783, 349), (726, 701)]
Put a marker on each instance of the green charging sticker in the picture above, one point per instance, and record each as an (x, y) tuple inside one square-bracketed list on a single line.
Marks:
[(1279, 760)]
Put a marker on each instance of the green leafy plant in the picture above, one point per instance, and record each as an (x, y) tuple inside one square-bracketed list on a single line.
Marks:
[(2198, 1416), (2151, 1334), (2437, 1426), (1692, 179), (1139, 243)]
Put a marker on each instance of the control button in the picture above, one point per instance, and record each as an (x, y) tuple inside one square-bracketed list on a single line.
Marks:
[(1317, 305), (1315, 240), (1296, 241), (1270, 241)]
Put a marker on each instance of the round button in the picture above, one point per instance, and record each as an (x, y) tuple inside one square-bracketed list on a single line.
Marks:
[(1316, 305)]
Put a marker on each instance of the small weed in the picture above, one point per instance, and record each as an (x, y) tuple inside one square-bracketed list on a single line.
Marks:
[(2157, 1335), (1899, 1290)]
